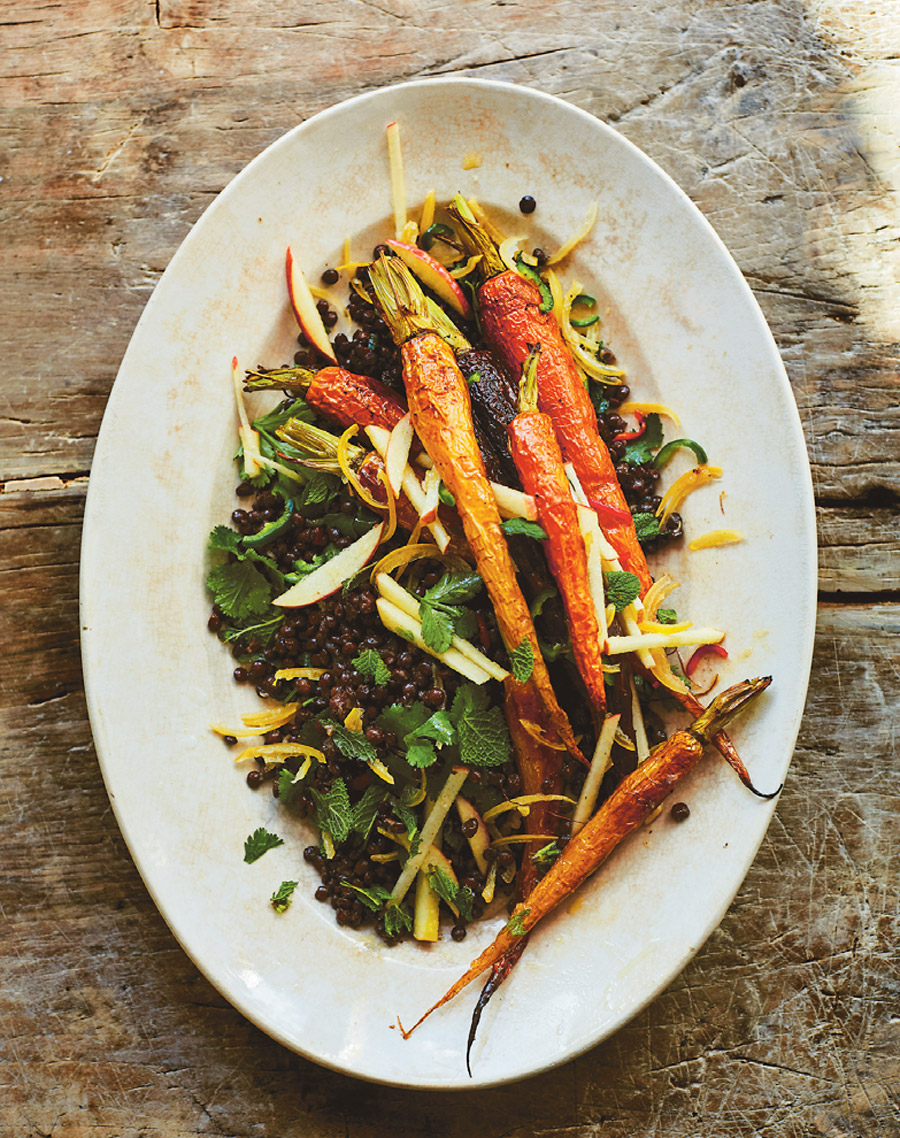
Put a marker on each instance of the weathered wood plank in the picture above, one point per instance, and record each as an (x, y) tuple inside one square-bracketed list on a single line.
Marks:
[(108, 1027)]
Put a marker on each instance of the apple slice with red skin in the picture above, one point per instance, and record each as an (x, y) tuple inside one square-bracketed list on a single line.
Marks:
[(304, 305), (432, 274), (328, 578)]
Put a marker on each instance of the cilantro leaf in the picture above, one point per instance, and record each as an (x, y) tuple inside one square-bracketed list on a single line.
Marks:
[(281, 898), (287, 788), (521, 526), (480, 728), (420, 753), (370, 663), (225, 538), (621, 588), (258, 843), (351, 744), (521, 661), (437, 627), (646, 526), (667, 616), (641, 450), (400, 720), (465, 623), (515, 926), (240, 589)]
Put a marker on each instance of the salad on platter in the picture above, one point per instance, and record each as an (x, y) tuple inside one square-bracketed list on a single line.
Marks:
[(437, 579)]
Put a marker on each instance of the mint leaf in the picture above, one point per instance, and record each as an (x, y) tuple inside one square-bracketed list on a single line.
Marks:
[(621, 589), (515, 926), (437, 627), (646, 526), (372, 897), (521, 661), (225, 538), (281, 898), (480, 728), (333, 811), (641, 450), (454, 588), (405, 815), (363, 814), (443, 885), (465, 899), (319, 488), (370, 663), (396, 919), (400, 720), (351, 744), (239, 589), (667, 616), (521, 526), (259, 842)]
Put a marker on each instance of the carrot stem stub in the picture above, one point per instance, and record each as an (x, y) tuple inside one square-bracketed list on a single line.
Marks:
[(630, 804)]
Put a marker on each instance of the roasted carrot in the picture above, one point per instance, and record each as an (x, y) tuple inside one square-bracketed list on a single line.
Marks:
[(438, 399), (511, 320), (539, 462), (339, 394), (630, 804)]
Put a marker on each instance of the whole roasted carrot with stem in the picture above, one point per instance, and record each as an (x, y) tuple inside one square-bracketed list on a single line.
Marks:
[(438, 399), (512, 321), (339, 394), (540, 465), (630, 804)]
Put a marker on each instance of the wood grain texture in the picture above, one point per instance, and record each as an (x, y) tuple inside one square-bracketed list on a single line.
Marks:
[(119, 122)]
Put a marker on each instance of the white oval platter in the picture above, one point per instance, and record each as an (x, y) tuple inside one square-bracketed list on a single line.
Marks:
[(686, 327)]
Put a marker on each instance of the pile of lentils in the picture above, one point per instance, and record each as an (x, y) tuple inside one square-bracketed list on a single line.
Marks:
[(330, 635)]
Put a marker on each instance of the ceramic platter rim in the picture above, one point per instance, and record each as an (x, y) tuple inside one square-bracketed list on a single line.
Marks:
[(686, 326)]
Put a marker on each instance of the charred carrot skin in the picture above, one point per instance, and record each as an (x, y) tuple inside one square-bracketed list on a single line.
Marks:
[(540, 465), (630, 804), (512, 322), (438, 400), (349, 398)]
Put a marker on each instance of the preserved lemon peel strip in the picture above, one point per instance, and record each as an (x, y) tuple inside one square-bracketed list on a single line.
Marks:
[(650, 409), (391, 507), (558, 300), (653, 626), (427, 218), (281, 751), (524, 803), (507, 250), (623, 740), (263, 721), (716, 538), (347, 471), (398, 558), (513, 839), (353, 720), (586, 226), (464, 270), (300, 673), (398, 182), (580, 346), (682, 486), (657, 593)]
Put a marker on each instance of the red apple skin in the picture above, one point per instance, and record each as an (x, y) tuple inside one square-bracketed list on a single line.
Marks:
[(305, 310), (433, 274)]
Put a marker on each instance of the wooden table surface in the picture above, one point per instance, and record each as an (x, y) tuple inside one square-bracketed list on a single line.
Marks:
[(121, 120)]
